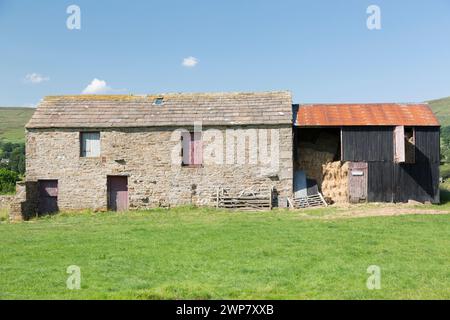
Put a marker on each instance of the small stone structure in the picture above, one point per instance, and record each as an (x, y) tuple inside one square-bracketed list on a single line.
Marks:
[(23, 204), (139, 140)]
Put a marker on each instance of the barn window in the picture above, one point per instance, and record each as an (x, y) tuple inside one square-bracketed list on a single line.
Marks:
[(192, 149), (90, 144), (404, 144)]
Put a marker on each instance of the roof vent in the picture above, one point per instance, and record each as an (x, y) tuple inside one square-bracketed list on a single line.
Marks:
[(158, 101)]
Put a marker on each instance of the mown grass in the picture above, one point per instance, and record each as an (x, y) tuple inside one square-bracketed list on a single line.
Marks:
[(189, 253)]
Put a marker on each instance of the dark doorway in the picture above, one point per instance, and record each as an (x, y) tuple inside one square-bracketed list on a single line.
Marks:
[(315, 148), (117, 193), (48, 196)]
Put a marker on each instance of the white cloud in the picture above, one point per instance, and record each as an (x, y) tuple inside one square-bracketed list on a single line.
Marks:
[(35, 78), (96, 87), (190, 62)]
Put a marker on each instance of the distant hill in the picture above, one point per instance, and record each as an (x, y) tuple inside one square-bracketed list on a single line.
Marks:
[(12, 123), (441, 108)]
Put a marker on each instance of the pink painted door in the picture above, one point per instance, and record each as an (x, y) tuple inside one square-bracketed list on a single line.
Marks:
[(117, 193), (48, 196)]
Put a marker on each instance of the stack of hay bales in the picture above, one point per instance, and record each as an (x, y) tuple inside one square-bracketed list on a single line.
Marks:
[(311, 161), (312, 155), (335, 182), (317, 160)]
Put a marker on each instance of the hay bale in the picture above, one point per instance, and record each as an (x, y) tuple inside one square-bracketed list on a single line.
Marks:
[(335, 181), (311, 161)]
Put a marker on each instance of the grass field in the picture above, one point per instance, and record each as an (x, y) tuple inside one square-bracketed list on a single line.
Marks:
[(12, 123), (189, 253)]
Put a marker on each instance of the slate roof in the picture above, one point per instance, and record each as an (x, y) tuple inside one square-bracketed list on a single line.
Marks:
[(381, 114), (106, 111)]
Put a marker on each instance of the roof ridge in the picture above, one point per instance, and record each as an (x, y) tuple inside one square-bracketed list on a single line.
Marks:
[(363, 104), (151, 95)]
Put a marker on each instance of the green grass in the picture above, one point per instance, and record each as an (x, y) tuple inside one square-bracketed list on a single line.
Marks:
[(441, 108), (445, 170), (188, 253), (4, 214), (445, 186), (12, 123)]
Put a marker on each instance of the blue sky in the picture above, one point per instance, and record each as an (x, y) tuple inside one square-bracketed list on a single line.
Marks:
[(320, 50)]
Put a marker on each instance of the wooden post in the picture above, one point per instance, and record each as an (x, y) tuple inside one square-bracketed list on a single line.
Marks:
[(270, 198), (323, 200), (217, 197)]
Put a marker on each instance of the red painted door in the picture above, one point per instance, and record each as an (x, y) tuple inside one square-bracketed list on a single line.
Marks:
[(117, 193), (48, 196)]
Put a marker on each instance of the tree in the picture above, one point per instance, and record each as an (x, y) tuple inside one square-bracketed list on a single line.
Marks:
[(13, 156), (8, 181)]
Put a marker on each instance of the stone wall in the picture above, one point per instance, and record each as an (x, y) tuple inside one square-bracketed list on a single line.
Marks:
[(23, 204), (151, 158), (5, 202)]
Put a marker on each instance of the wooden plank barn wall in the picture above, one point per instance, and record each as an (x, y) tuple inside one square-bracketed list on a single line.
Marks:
[(389, 181)]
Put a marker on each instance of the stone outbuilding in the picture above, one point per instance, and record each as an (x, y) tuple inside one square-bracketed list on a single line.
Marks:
[(121, 152), (118, 152)]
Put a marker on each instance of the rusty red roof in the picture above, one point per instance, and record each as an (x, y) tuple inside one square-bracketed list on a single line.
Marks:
[(379, 114)]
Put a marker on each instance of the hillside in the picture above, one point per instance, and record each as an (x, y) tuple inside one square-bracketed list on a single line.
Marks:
[(441, 108), (12, 122)]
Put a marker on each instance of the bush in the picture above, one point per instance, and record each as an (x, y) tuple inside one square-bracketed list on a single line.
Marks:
[(8, 181), (14, 154), (445, 144)]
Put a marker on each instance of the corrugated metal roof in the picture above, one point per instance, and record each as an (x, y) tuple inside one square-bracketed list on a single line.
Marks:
[(175, 109), (380, 114)]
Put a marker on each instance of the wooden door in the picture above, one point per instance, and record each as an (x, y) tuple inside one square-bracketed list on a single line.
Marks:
[(48, 196), (117, 193), (300, 184), (357, 182), (399, 144)]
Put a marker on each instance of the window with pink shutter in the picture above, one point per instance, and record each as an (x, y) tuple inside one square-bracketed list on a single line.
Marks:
[(192, 149)]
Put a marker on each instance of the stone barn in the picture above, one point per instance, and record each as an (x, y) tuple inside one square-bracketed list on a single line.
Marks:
[(119, 152), (367, 152)]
